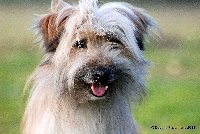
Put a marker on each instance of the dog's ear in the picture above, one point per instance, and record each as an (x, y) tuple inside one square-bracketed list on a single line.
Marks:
[(145, 24), (51, 31), (142, 21), (142, 24)]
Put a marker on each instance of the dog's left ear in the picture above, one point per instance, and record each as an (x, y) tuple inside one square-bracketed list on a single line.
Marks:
[(142, 21), (143, 24)]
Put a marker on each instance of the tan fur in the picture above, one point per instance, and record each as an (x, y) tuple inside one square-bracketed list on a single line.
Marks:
[(52, 30), (88, 48)]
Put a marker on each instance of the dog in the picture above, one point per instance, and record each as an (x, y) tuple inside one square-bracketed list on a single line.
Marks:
[(91, 71)]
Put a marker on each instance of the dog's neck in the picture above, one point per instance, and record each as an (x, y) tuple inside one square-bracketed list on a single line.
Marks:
[(109, 116)]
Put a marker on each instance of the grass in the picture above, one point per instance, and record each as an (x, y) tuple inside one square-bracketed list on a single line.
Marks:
[(173, 81), (18, 58)]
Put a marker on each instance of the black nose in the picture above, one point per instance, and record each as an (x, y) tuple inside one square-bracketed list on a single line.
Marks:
[(104, 75)]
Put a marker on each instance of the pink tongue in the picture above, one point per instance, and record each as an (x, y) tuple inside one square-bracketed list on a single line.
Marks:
[(98, 89)]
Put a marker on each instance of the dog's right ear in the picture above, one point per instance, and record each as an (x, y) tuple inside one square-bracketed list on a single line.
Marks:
[(51, 30)]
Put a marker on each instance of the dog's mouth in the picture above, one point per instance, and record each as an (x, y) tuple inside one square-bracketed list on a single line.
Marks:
[(97, 79), (98, 89)]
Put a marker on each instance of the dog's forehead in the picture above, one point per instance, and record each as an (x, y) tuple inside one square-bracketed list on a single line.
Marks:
[(92, 34), (100, 22)]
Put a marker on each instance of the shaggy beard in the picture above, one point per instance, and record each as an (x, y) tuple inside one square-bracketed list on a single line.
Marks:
[(68, 77)]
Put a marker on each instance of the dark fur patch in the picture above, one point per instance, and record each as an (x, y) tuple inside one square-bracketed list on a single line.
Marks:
[(140, 43)]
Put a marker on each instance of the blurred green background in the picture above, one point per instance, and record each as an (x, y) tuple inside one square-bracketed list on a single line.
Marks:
[(173, 81)]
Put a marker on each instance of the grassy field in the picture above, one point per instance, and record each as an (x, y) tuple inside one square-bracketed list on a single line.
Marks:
[(173, 81)]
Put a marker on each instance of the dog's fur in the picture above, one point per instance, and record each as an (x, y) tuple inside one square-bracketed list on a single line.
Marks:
[(92, 68)]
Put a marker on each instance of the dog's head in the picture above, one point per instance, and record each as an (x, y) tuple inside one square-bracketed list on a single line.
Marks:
[(96, 51)]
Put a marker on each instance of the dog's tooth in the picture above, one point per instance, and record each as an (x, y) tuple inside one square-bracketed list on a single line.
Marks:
[(106, 87)]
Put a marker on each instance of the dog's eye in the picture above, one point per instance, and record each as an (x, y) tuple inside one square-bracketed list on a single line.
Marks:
[(114, 43), (81, 43)]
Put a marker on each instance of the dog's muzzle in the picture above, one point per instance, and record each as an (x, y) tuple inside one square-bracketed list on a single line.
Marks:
[(99, 79)]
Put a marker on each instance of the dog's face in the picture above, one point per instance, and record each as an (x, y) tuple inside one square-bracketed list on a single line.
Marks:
[(95, 51)]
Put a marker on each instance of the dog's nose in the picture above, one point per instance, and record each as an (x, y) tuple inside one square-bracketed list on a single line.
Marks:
[(101, 76), (104, 75)]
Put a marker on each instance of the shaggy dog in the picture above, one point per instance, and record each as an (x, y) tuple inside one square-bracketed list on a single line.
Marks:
[(92, 69)]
